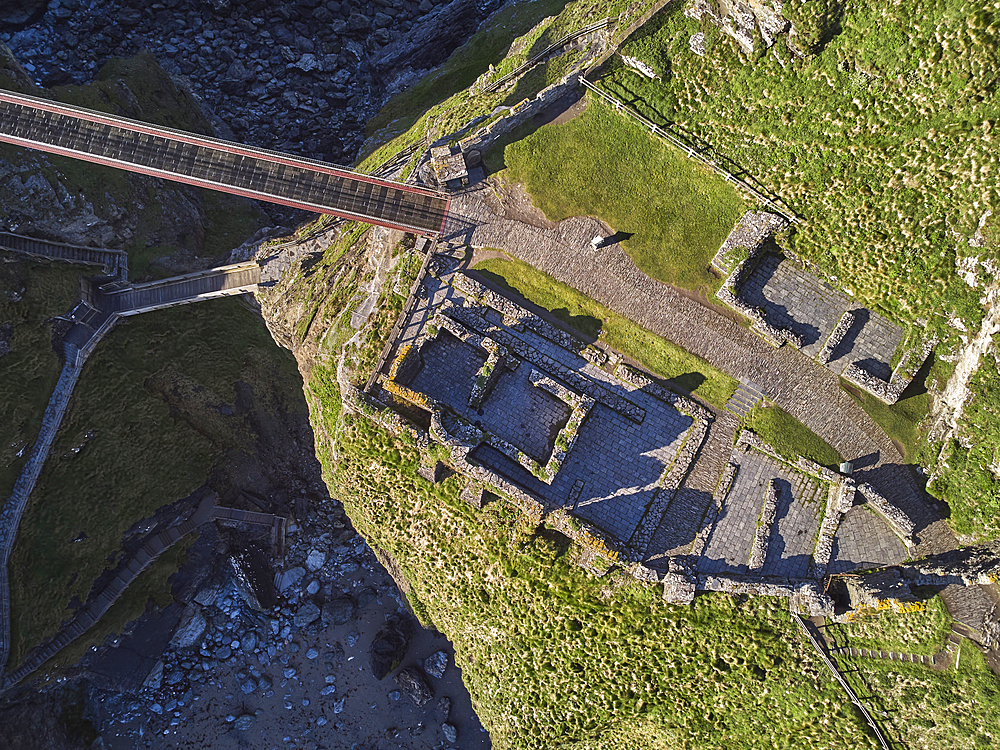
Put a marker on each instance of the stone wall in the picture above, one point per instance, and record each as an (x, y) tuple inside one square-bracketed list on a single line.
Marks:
[(898, 521), (836, 336), (758, 551), (890, 390), (751, 231)]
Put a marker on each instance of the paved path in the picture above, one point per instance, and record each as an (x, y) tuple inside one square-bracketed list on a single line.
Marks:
[(799, 385)]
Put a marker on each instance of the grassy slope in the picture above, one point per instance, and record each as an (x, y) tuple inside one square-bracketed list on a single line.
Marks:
[(790, 437), (556, 658), (592, 319), (149, 395), (601, 164), (29, 371), (884, 138), (923, 632)]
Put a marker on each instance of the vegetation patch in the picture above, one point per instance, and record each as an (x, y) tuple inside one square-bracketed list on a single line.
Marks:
[(593, 320), (924, 708), (922, 631), (789, 437), (601, 164), (554, 657), (900, 421), (968, 465), (31, 294), (166, 401)]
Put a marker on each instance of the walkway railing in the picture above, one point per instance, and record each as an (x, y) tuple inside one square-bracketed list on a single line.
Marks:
[(115, 261), (691, 152), (843, 683), (532, 61)]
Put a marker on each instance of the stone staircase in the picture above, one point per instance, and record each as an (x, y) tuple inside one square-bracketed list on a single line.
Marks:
[(746, 397)]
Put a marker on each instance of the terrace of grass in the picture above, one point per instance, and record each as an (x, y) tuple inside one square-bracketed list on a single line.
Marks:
[(789, 437), (593, 320), (602, 164)]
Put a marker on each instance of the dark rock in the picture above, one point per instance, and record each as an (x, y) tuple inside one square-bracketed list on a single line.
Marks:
[(307, 614), (436, 664), (339, 611), (129, 16), (442, 709), (414, 685), (388, 647), (449, 732), (357, 22)]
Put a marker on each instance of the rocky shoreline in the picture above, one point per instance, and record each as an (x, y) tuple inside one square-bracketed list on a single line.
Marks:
[(302, 76)]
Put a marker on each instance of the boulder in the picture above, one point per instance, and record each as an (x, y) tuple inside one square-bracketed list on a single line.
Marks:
[(436, 664), (388, 647), (449, 732), (190, 628), (414, 685), (315, 558), (289, 578), (307, 614), (339, 611)]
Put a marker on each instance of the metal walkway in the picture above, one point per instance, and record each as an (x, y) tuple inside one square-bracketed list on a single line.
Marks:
[(223, 281), (212, 163), (115, 262)]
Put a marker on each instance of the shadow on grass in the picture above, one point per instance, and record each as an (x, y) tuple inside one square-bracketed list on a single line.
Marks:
[(493, 158), (587, 325)]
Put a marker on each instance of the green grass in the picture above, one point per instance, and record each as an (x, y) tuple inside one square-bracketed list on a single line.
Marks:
[(30, 369), (900, 421), (554, 657), (146, 426), (954, 708), (593, 320), (789, 437), (923, 632), (601, 164)]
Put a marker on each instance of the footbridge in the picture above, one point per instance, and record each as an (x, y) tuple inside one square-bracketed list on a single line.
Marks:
[(132, 299), (193, 159)]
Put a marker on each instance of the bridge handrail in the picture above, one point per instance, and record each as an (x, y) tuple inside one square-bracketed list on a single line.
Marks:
[(530, 62), (232, 267), (205, 140)]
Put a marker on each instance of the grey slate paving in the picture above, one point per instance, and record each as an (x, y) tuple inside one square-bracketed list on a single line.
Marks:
[(795, 299), (864, 540), (801, 502)]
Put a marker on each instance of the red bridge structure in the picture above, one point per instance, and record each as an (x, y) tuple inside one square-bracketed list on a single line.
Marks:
[(216, 164)]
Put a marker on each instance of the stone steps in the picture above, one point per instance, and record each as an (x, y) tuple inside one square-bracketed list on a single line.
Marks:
[(746, 397)]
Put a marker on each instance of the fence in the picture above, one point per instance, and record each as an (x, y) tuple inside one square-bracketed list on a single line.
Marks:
[(691, 152), (843, 683), (531, 62)]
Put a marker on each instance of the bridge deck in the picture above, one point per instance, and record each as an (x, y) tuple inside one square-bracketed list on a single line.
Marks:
[(218, 282), (216, 164)]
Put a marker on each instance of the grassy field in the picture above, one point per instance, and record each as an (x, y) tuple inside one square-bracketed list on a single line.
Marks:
[(30, 368), (593, 320), (600, 164), (923, 632), (954, 709), (554, 657), (146, 426), (789, 437)]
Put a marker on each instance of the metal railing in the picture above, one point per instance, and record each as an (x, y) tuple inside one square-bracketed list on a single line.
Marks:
[(655, 129), (532, 61), (843, 683)]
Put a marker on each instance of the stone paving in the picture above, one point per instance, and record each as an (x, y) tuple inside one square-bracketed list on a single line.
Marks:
[(801, 502), (795, 299), (525, 416), (864, 540), (612, 473)]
